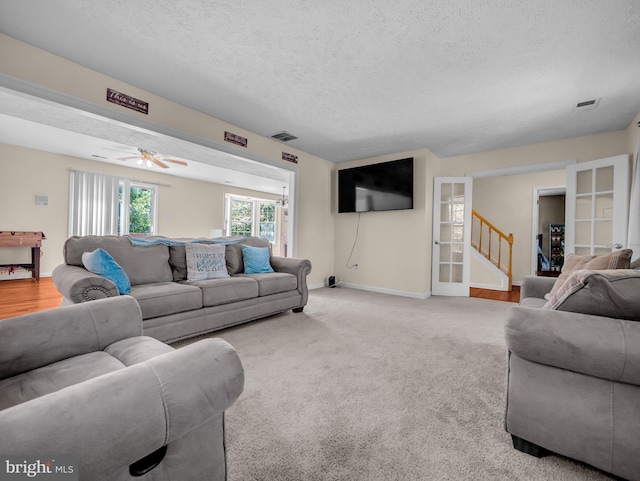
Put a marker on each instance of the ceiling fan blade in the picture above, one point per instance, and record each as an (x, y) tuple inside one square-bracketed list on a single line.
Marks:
[(175, 161), (159, 163)]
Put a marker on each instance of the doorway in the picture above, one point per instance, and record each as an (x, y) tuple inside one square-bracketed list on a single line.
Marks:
[(548, 226)]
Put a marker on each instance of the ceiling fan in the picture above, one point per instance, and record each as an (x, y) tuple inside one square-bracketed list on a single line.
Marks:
[(151, 158)]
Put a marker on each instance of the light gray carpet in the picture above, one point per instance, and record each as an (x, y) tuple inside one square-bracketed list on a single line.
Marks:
[(367, 386)]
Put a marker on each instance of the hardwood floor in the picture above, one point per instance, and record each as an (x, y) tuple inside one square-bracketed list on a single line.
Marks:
[(23, 296), (513, 296)]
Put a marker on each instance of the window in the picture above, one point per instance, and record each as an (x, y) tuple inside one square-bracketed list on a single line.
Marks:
[(106, 205), (251, 217), (137, 212)]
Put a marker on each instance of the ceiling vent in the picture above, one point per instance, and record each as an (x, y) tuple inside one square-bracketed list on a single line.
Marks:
[(587, 104), (283, 136)]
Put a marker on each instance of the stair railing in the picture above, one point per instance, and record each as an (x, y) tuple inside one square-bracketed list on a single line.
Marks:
[(483, 244)]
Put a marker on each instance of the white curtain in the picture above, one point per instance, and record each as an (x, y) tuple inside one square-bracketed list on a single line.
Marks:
[(93, 204), (633, 239)]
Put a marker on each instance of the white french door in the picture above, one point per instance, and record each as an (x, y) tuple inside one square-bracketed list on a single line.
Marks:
[(597, 206), (451, 236)]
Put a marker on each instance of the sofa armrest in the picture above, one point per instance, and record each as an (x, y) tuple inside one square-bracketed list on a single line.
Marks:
[(536, 286), (596, 346), (298, 267), (118, 418), (77, 284), (35, 340)]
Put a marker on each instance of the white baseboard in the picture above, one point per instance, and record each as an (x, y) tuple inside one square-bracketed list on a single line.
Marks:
[(392, 292)]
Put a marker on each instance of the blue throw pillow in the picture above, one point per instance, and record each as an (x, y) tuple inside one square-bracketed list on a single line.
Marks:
[(100, 262), (256, 260)]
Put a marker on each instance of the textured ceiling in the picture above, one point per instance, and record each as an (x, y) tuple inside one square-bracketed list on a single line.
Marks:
[(364, 77)]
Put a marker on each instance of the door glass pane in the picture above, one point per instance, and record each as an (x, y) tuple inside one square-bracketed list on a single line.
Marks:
[(456, 275), (445, 252), (458, 192), (604, 206), (584, 182), (604, 179), (445, 232), (445, 193), (445, 213), (583, 207), (457, 212), (583, 251), (457, 251), (457, 232), (601, 251), (583, 233), (603, 232), (445, 274)]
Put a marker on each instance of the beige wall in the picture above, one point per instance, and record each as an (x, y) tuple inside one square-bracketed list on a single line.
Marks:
[(506, 201), (393, 248), (314, 234)]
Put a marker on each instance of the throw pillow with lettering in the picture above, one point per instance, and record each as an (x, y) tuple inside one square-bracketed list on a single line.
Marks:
[(205, 261)]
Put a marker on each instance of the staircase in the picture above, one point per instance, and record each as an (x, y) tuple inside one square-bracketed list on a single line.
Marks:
[(494, 246)]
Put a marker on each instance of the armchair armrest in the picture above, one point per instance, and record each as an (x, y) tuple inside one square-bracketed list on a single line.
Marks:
[(536, 286), (597, 346), (127, 414), (35, 340), (77, 284)]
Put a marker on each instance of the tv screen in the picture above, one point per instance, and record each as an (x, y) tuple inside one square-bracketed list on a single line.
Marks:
[(376, 187)]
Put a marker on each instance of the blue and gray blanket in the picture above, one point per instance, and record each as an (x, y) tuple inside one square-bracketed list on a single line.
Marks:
[(155, 240)]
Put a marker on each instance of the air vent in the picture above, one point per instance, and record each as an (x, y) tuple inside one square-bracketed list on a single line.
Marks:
[(283, 136), (587, 104)]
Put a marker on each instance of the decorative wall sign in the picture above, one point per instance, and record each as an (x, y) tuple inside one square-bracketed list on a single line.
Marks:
[(127, 101), (235, 139), (290, 157)]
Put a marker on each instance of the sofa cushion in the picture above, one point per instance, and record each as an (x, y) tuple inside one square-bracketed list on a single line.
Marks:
[(178, 262), (55, 376), (164, 298), (233, 254), (75, 246), (143, 264), (273, 283), (532, 302), (100, 262), (224, 291), (608, 293), (615, 260), (205, 261), (256, 259)]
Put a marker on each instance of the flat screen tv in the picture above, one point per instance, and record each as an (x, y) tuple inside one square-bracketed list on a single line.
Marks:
[(376, 187)]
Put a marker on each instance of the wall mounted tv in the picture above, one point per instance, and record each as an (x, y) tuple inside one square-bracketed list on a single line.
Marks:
[(376, 187)]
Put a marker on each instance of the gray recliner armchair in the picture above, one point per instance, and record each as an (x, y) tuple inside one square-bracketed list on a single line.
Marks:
[(82, 381), (574, 370)]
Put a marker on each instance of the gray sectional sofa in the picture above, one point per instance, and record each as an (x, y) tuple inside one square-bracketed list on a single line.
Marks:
[(173, 307)]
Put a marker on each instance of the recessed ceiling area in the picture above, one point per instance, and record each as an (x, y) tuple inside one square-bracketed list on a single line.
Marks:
[(39, 124), (364, 78)]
